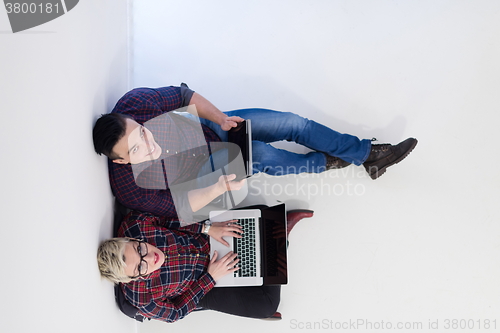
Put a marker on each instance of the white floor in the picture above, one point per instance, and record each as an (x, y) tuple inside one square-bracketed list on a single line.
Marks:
[(419, 245), (417, 248), (55, 198)]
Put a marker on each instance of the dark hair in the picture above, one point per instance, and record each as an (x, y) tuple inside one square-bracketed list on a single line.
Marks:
[(108, 129)]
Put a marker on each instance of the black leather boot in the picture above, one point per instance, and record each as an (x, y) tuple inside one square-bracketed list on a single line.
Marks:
[(333, 162), (383, 156)]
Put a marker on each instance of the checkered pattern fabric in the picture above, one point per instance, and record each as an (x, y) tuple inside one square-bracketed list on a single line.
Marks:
[(144, 104), (174, 290)]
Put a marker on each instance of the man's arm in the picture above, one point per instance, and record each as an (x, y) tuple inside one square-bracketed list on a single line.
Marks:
[(160, 202), (168, 97), (144, 104), (175, 308), (207, 110), (199, 198)]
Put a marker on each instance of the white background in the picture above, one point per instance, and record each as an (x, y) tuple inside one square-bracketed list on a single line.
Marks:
[(56, 204), (421, 243)]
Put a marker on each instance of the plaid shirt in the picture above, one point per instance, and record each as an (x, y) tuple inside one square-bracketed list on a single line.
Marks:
[(144, 104), (174, 290)]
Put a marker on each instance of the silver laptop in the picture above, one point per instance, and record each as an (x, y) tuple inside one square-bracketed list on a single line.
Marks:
[(262, 250), (248, 248)]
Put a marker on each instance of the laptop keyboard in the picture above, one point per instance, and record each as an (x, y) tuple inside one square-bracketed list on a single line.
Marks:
[(245, 248)]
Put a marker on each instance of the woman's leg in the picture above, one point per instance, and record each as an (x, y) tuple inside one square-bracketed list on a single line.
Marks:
[(253, 302)]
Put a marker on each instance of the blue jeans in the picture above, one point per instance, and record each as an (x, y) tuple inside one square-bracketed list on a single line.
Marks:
[(270, 126)]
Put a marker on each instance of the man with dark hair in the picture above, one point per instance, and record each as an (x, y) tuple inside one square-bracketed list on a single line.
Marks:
[(111, 128), (122, 137)]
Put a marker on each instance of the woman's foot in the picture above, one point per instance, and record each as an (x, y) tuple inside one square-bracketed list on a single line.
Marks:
[(294, 216), (275, 316)]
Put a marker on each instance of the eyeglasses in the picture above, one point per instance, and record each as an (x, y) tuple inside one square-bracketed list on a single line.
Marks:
[(142, 250)]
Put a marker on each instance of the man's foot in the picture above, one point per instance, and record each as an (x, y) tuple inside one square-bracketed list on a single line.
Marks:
[(383, 156), (294, 216), (333, 162)]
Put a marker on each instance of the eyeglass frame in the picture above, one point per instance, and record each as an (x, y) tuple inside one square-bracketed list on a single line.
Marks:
[(142, 258)]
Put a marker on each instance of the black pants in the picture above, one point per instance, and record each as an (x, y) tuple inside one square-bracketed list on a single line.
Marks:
[(253, 302)]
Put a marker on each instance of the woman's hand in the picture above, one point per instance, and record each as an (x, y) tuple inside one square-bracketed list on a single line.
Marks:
[(229, 228), (226, 183), (229, 122), (223, 266)]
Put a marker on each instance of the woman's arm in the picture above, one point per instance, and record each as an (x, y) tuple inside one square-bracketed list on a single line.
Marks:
[(175, 308)]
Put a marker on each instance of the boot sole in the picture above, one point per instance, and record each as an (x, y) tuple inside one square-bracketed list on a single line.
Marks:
[(300, 211), (381, 171), (276, 316)]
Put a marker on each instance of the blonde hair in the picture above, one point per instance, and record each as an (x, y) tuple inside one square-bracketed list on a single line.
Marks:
[(110, 260)]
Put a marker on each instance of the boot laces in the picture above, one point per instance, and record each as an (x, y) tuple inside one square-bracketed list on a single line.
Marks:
[(382, 147)]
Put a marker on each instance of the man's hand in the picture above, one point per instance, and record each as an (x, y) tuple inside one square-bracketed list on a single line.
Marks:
[(207, 110), (228, 228), (230, 122), (225, 265), (201, 197), (226, 183)]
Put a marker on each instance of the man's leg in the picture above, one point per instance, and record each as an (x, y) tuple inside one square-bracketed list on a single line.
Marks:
[(253, 302), (270, 126), (277, 162)]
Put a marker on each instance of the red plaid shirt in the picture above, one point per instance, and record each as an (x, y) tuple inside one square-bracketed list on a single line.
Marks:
[(144, 104), (174, 290)]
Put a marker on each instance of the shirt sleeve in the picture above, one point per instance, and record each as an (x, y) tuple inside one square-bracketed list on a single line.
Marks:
[(158, 202), (144, 104), (175, 308), (174, 223), (136, 223), (195, 228), (186, 94)]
